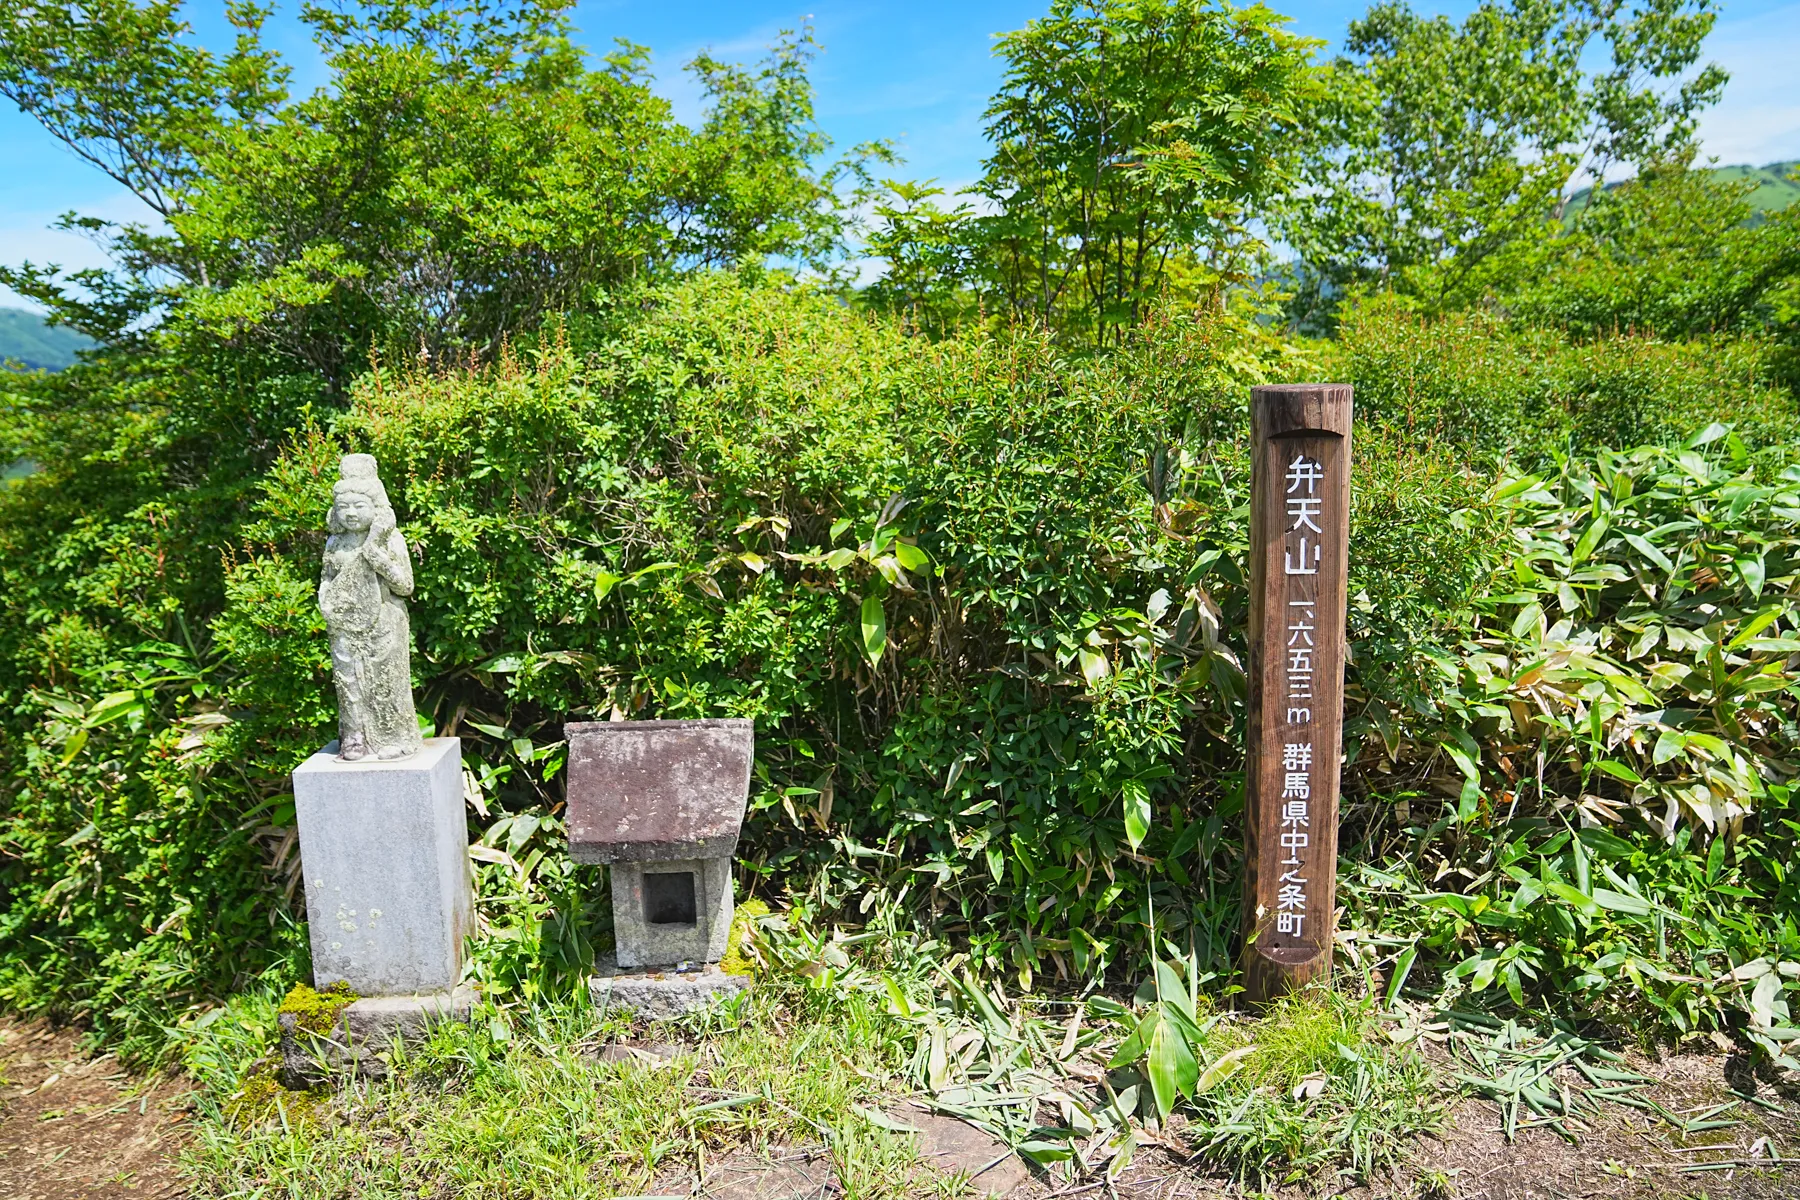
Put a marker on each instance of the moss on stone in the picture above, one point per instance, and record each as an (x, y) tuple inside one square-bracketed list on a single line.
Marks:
[(315, 1011), (262, 1097), (737, 961)]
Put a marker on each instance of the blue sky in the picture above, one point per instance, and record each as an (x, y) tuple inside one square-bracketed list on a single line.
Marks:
[(917, 72)]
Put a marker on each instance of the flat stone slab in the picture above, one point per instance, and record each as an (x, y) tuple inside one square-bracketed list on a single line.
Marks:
[(657, 791), (659, 995), (365, 1030), (656, 1054), (747, 1175), (952, 1146)]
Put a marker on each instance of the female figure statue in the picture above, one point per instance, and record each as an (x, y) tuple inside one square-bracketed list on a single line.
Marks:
[(363, 591)]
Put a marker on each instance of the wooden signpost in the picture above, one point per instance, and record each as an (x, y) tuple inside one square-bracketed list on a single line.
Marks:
[(1299, 542)]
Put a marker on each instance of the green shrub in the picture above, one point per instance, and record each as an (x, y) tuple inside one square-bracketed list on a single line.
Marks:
[(1473, 381), (984, 603), (696, 516), (137, 881), (1606, 760)]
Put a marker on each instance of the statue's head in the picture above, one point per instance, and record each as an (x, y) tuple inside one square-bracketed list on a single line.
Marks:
[(358, 496)]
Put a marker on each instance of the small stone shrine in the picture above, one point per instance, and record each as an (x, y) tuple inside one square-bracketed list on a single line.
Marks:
[(662, 803), (384, 846)]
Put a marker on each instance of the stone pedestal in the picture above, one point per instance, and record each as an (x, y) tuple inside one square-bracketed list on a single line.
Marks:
[(361, 1040), (385, 851), (660, 995)]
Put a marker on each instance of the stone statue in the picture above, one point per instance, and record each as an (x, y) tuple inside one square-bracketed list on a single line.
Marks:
[(362, 593)]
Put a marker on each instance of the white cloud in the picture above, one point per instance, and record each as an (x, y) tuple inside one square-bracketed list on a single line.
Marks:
[(682, 90), (1758, 119), (32, 237)]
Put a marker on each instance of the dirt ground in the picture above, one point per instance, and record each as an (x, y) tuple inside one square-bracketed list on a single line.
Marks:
[(74, 1128), (1625, 1155), (1629, 1154), (80, 1128)]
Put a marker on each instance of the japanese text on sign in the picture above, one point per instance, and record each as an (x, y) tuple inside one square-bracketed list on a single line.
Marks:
[(1301, 564)]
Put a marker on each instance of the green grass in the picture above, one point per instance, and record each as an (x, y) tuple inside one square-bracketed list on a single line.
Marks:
[(518, 1105), (1322, 1088)]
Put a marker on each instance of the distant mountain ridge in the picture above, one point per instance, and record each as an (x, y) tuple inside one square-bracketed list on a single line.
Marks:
[(26, 341), (1774, 189)]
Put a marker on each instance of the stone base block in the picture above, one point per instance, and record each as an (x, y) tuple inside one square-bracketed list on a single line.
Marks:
[(366, 1029), (385, 851), (659, 995)]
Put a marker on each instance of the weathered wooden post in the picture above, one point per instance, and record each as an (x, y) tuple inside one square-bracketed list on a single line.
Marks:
[(1299, 541)]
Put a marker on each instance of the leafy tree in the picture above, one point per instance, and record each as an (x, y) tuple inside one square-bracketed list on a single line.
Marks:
[(1674, 251), (1437, 149), (743, 190), (464, 175), (930, 254), (121, 86), (1129, 136)]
